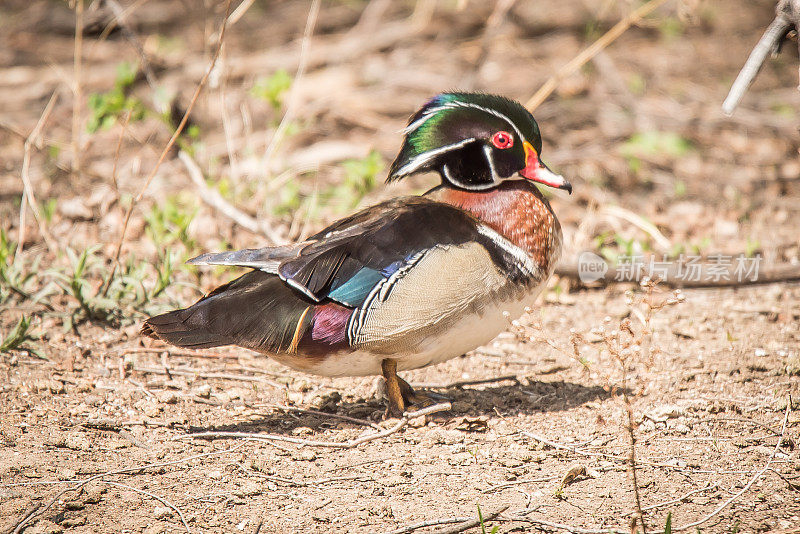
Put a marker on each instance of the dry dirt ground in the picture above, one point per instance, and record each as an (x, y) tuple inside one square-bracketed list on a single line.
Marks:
[(539, 425)]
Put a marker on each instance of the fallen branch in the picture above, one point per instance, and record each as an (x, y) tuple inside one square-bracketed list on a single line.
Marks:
[(462, 383), (707, 276), (578, 61), (352, 444), (787, 14), (519, 482)]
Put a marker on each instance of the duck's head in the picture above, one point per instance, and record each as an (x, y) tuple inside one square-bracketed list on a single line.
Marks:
[(474, 141)]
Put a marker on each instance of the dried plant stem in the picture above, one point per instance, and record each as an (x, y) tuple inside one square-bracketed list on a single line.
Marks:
[(77, 87), (27, 193), (291, 105), (107, 283), (216, 201), (578, 61), (631, 428), (175, 135)]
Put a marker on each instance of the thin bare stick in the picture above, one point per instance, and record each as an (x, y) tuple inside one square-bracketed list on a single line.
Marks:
[(199, 374), (631, 428), (766, 45), (472, 523), (27, 194), (240, 10), (325, 414), (175, 135), (77, 88), (752, 481), (30, 516), (162, 500), (461, 383), (568, 528), (173, 352), (215, 200), (352, 444), (127, 120), (673, 501), (518, 482), (429, 523), (291, 104), (578, 61)]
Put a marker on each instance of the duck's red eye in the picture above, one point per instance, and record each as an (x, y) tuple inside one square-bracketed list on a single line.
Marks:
[(502, 140)]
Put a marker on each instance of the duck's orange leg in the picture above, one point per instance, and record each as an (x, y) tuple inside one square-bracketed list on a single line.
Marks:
[(396, 405)]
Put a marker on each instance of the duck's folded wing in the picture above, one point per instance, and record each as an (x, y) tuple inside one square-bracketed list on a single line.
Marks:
[(347, 260)]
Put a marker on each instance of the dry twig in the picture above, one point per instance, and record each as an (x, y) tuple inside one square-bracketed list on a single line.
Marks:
[(39, 510), (162, 500), (215, 200), (27, 195), (175, 134), (291, 103), (752, 481), (578, 61), (77, 87), (352, 444), (428, 523)]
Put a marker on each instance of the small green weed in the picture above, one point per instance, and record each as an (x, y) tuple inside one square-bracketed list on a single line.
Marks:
[(653, 143), (272, 89), (17, 337), (616, 247), (49, 209), (169, 222), (360, 176), (105, 109), (494, 530)]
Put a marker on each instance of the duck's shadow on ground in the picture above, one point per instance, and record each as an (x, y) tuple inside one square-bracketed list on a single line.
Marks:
[(506, 398)]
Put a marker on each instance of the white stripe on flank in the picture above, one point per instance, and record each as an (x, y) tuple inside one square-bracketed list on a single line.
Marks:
[(524, 261)]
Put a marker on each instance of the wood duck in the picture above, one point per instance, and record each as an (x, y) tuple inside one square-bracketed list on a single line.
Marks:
[(406, 283)]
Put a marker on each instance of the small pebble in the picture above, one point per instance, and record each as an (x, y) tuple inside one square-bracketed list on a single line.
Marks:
[(162, 512)]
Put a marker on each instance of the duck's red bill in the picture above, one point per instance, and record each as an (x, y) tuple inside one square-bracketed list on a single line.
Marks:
[(536, 171)]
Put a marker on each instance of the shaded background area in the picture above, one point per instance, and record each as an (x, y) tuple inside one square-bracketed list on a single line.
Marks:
[(638, 131)]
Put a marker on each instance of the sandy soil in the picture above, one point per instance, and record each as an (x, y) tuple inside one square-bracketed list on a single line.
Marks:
[(539, 423)]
